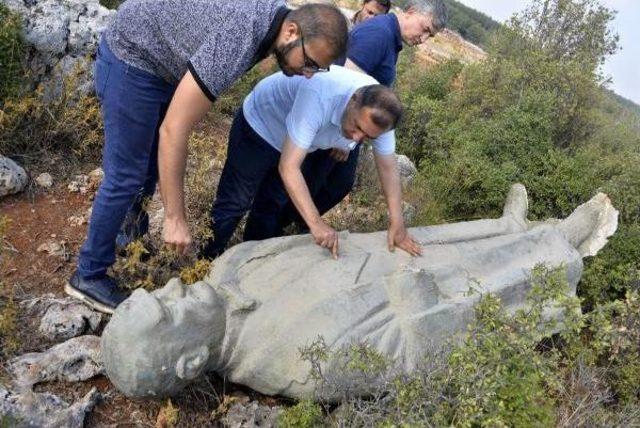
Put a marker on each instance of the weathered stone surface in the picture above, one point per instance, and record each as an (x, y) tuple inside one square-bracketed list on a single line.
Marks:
[(61, 34), (75, 360), (13, 178), (44, 180), (407, 170), (30, 409), (263, 301), (367, 174), (251, 414), (67, 319)]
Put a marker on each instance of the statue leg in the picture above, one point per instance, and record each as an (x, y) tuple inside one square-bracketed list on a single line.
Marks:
[(588, 226), (513, 220)]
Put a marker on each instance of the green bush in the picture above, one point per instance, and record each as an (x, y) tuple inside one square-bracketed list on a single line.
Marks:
[(305, 414), (11, 53)]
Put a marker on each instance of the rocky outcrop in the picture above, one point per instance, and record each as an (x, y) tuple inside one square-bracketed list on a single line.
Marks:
[(61, 35), (30, 409), (75, 360), (13, 178)]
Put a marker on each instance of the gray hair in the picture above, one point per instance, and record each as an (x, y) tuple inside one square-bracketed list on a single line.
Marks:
[(435, 8)]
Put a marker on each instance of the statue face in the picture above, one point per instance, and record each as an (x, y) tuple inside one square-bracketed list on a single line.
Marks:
[(164, 338)]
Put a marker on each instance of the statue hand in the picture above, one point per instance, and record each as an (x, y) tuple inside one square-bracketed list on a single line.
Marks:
[(397, 236)]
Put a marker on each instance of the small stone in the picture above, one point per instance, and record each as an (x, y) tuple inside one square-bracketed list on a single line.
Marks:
[(77, 220), (45, 180), (13, 178), (77, 359), (53, 248), (79, 184), (68, 319)]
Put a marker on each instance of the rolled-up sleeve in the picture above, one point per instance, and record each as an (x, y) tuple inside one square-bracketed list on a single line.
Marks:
[(305, 118), (385, 144)]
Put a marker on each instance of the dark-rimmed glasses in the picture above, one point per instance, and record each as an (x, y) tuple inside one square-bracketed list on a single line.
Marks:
[(310, 66)]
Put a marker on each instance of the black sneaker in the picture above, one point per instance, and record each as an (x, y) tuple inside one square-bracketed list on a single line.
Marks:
[(101, 294)]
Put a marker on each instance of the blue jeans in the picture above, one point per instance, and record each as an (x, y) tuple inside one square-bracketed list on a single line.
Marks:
[(133, 104), (250, 173)]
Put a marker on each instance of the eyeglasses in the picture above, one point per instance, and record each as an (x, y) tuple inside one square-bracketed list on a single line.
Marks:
[(310, 66)]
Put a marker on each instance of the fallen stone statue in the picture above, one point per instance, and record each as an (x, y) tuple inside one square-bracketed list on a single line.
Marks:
[(263, 301)]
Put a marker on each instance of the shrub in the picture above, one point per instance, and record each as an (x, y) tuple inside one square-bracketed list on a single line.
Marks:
[(11, 53), (70, 124), (305, 414)]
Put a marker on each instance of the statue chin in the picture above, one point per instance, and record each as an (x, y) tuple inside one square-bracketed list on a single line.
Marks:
[(263, 301)]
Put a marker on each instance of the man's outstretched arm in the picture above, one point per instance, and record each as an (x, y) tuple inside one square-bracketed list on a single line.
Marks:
[(188, 106), (289, 168), (397, 235)]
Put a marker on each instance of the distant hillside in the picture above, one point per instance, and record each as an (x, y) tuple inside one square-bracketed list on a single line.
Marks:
[(474, 26), (625, 103)]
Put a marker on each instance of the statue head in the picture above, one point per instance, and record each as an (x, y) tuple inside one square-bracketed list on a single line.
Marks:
[(158, 342)]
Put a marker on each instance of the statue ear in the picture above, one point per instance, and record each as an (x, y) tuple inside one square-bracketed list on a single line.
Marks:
[(190, 365)]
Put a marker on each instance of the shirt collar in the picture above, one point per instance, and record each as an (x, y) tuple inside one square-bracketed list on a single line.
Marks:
[(272, 34)]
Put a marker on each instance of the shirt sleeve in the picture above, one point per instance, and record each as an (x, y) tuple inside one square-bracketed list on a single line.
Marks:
[(367, 47), (305, 118), (219, 62), (385, 144)]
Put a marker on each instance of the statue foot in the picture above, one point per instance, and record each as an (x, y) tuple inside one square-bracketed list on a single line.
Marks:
[(517, 204), (588, 226)]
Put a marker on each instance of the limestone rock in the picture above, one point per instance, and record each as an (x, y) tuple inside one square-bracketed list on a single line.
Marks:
[(367, 175), (54, 248), (44, 180), (68, 319), (407, 170), (13, 178), (251, 414), (30, 409), (75, 360), (79, 184), (61, 33)]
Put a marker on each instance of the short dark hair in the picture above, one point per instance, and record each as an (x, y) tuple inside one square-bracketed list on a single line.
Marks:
[(384, 3), (323, 21), (386, 107)]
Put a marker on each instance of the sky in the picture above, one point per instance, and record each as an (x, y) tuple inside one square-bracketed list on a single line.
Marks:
[(623, 67)]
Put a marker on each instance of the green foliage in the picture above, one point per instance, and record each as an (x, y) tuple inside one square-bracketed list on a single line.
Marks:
[(497, 377), (305, 414), (11, 53), (70, 124), (469, 23)]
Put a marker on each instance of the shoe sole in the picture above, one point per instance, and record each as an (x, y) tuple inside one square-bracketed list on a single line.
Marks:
[(68, 288)]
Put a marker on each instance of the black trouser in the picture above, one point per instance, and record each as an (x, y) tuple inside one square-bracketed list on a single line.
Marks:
[(328, 181)]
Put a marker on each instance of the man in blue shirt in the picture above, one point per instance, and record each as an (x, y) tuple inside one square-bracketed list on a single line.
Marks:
[(373, 49), (282, 120)]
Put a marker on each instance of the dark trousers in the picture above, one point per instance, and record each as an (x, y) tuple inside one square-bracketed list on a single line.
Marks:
[(249, 179), (328, 181), (133, 104)]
